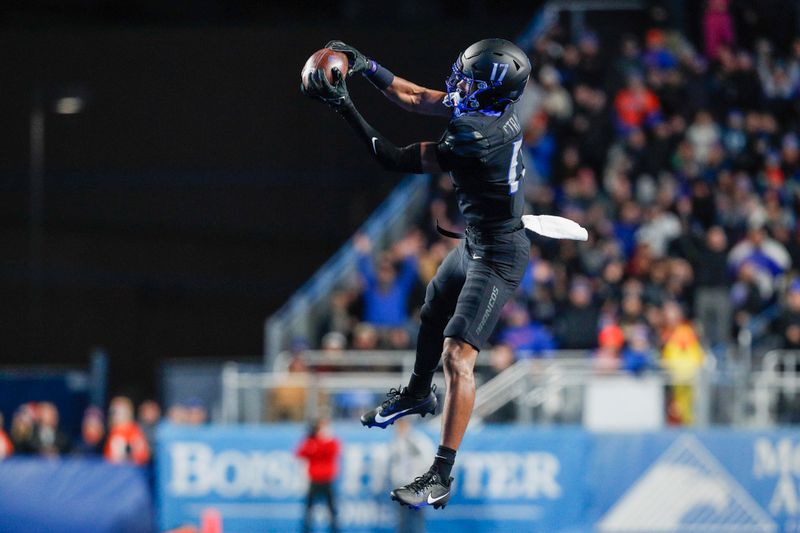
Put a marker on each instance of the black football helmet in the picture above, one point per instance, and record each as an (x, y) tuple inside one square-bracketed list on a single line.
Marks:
[(495, 72)]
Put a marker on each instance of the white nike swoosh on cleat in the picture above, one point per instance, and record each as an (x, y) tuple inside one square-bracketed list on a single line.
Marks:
[(381, 419), (434, 500), (374, 148), (475, 256)]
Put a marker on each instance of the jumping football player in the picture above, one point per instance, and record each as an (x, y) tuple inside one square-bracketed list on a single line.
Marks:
[(481, 150)]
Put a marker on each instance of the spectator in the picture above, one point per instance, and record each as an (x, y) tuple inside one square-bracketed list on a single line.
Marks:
[(177, 414), (387, 289), (747, 297), (743, 89), (610, 342), (658, 57), (717, 28), (288, 399), (409, 451), (659, 229), (682, 356), (6, 447), (704, 134), (48, 439), (590, 69), (734, 139), (627, 225), (638, 354), (576, 325), (593, 126), (431, 259), (333, 342), (628, 62), (553, 98), (501, 357), (636, 106), (196, 413), (92, 433), (339, 317), (712, 298), (526, 338), (787, 324), (22, 429), (126, 441), (540, 145), (149, 417), (321, 452), (365, 337), (767, 257), (397, 339)]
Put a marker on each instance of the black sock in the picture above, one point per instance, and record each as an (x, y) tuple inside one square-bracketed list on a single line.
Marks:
[(420, 385), (443, 463), (429, 351)]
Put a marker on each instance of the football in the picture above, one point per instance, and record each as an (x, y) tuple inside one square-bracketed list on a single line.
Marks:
[(326, 59)]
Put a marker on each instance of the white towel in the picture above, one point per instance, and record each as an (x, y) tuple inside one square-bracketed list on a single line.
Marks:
[(555, 227)]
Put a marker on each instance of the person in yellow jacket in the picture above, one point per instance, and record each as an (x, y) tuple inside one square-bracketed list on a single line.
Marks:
[(682, 356)]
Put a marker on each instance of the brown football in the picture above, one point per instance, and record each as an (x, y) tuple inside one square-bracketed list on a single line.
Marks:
[(326, 59)]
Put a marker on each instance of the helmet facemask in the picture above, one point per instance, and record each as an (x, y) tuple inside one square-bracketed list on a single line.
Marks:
[(464, 98)]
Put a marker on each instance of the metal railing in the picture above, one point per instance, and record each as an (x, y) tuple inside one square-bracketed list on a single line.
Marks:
[(546, 17), (543, 391), (775, 395), (547, 391), (335, 384), (304, 308)]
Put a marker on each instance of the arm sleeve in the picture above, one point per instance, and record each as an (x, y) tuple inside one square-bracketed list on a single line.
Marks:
[(303, 451), (460, 146), (390, 156)]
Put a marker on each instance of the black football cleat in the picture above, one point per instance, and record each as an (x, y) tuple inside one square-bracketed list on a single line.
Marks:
[(399, 403), (427, 489)]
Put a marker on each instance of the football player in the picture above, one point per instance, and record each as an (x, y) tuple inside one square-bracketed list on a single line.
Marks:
[(481, 150)]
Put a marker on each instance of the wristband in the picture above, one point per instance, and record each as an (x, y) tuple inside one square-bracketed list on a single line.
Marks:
[(379, 76)]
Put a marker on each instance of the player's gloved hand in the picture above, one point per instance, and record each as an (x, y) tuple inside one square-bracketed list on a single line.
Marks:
[(358, 62), (335, 95)]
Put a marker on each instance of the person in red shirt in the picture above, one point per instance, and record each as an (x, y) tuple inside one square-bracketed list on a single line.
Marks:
[(321, 450)]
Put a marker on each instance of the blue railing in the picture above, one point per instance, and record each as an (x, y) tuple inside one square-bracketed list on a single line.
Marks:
[(390, 219)]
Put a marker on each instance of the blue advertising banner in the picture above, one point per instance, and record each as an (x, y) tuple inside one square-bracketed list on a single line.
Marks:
[(73, 496), (507, 478), (250, 475), (716, 480)]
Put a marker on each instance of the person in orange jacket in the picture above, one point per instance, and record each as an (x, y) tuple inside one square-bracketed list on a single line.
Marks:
[(126, 440), (636, 106), (321, 451)]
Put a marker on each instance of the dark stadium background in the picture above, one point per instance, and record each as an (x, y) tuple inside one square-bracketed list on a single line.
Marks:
[(198, 189)]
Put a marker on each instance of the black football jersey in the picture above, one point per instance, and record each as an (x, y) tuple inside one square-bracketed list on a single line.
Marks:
[(482, 153)]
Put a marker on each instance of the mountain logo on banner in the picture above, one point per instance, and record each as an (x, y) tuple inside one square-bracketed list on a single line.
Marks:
[(686, 491)]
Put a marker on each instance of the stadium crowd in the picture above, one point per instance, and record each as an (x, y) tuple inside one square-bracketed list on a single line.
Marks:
[(125, 435), (684, 165)]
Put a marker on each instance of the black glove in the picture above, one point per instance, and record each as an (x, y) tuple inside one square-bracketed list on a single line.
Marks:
[(335, 95), (358, 62)]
